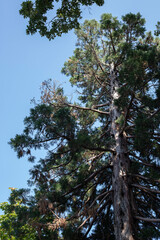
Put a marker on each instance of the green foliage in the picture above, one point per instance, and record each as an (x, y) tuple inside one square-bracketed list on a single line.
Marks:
[(67, 16), (73, 195), (11, 226)]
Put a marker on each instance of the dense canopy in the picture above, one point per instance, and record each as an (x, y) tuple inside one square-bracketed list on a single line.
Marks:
[(100, 178)]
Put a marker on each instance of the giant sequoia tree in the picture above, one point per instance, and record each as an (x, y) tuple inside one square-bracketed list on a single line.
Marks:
[(100, 178)]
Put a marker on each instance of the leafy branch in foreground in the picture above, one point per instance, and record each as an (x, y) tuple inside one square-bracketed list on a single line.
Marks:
[(13, 224), (65, 15), (100, 177)]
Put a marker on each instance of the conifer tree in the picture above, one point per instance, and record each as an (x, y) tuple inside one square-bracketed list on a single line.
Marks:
[(101, 175)]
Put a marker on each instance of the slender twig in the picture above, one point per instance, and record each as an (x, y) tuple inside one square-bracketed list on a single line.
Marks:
[(84, 222), (105, 194)]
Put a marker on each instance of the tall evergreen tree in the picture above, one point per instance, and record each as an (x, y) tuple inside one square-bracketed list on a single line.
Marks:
[(100, 178)]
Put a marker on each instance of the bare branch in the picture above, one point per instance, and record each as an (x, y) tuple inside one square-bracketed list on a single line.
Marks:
[(94, 218), (147, 219), (86, 108), (146, 188), (129, 127), (101, 105), (144, 162), (144, 178), (105, 194), (153, 114), (98, 149), (84, 222)]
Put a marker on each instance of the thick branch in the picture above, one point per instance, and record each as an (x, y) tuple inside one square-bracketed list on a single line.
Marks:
[(98, 149), (101, 105), (86, 108), (147, 219), (101, 149)]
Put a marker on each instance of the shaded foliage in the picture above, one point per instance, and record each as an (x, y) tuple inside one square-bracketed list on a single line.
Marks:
[(73, 194)]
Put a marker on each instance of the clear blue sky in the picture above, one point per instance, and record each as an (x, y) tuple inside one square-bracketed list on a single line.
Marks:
[(26, 61)]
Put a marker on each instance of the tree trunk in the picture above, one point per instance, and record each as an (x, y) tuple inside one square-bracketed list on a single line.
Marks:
[(120, 182)]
